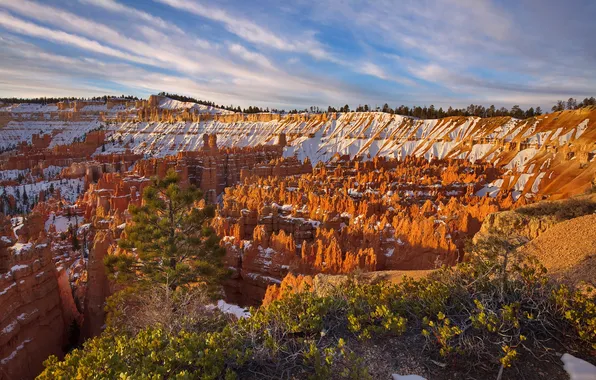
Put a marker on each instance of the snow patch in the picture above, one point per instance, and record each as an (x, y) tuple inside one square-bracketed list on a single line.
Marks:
[(578, 369)]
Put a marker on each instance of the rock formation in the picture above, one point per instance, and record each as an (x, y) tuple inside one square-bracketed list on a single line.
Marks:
[(32, 323), (298, 196)]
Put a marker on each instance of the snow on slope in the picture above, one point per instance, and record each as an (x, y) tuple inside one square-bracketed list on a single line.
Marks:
[(60, 222), (363, 134), (171, 104), (65, 132), (578, 369), (29, 108), (25, 176), (318, 138), (69, 190), (373, 134)]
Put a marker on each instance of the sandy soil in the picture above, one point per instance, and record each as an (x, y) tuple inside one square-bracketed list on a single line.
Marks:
[(568, 250)]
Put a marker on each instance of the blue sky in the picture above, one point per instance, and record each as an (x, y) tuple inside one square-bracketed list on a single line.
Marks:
[(302, 53)]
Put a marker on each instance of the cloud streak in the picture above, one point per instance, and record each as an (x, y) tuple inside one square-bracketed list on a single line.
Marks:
[(305, 53)]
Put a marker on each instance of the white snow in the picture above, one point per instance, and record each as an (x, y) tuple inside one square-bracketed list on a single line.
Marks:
[(18, 248), (61, 222), (11, 326), (63, 133), (522, 158), (18, 267), (228, 308), (578, 369), (15, 352), (3, 292), (171, 104), (479, 151), (395, 376), (536, 184), (69, 190), (11, 175), (581, 128)]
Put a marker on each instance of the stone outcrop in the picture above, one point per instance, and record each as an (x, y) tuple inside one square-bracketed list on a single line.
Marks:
[(531, 221)]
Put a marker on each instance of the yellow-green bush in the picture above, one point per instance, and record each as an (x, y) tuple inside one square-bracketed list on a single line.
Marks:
[(485, 310)]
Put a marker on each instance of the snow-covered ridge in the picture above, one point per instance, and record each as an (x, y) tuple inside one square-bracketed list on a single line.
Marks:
[(63, 132), (29, 108), (371, 133), (171, 104), (319, 137)]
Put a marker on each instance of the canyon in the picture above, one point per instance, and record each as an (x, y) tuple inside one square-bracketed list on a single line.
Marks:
[(296, 195)]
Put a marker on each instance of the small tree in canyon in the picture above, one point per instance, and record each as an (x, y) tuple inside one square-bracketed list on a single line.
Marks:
[(169, 240)]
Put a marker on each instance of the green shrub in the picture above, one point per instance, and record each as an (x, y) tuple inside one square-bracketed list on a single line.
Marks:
[(561, 210), (493, 309)]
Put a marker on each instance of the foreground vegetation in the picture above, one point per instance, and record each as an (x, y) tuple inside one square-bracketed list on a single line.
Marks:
[(488, 314)]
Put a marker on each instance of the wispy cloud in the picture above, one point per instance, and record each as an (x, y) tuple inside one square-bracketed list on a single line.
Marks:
[(21, 26), (252, 32), (250, 56), (304, 53), (124, 10)]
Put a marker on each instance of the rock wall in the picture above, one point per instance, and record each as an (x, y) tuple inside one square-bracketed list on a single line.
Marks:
[(98, 288), (32, 322)]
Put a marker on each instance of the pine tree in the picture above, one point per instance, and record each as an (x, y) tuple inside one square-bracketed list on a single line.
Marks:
[(75, 240), (170, 240)]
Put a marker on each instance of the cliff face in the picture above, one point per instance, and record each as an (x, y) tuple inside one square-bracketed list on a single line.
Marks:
[(32, 323), (98, 288)]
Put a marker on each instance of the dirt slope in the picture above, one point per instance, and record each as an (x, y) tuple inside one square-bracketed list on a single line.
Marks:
[(568, 249)]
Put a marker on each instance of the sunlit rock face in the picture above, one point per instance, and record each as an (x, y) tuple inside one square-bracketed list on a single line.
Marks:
[(382, 214)]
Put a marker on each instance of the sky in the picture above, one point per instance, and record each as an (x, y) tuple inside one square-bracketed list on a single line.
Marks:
[(288, 54)]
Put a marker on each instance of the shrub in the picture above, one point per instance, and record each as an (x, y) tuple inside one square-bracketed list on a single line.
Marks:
[(136, 308), (561, 210), (490, 311)]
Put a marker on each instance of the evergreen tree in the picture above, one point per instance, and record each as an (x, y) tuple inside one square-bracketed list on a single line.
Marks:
[(75, 240), (560, 106), (170, 240), (517, 112)]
